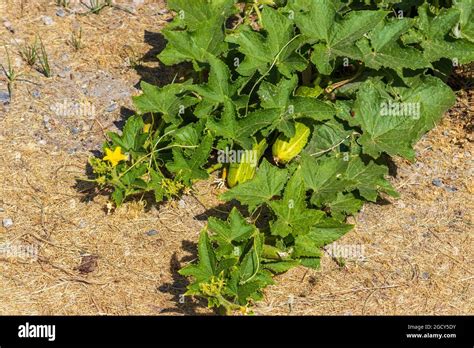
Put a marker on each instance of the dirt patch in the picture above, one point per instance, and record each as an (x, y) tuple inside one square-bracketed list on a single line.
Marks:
[(414, 254)]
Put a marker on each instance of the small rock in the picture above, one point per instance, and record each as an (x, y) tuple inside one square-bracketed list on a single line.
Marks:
[(163, 11), (65, 73), (1, 210), (181, 204), (71, 151), (42, 142), (419, 165), (152, 233), (47, 125), (82, 224), (47, 20), (112, 107), (425, 276), (60, 12), (9, 26), (36, 94), (4, 98), (88, 264), (451, 188), (437, 182), (75, 130), (7, 222)]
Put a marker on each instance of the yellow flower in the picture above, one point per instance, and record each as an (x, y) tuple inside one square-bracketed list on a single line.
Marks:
[(115, 156), (146, 127)]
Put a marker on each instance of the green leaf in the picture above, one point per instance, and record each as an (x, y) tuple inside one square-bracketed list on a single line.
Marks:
[(392, 126), (277, 48), (204, 34), (434, 97), (311, 262), (284, 109), (253, 289), (323, 233), (206, 268), (383, 130), (382, 48), (325, 177), (344, 204), (188, 169), (239, 130), (249, 266), (118, 196), (336, 34), (163, 100), (293, 216), (466, 22), (132, 137), (281, 266), (229, 233), (327, 137), (328, 231), (369, 179), (267, 183), (437, 41)]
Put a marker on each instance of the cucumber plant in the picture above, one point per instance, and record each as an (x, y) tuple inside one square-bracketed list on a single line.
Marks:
[(322, 92)]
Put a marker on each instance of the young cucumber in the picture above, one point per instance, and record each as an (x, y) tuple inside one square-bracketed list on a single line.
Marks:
[(244, 170), (284, 149)]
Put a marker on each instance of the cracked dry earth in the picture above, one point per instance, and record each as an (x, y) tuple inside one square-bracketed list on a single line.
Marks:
[(417, 250)]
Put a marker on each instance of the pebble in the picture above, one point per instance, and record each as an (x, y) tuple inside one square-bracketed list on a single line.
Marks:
[(112, 107), (152, 233), (4, 98), (9, 26), (46, 123), (451, 188), (7, 222), (42, 142), (36, 94), (60, 12), (437, 182), (82, 224), (75, 130), (65, 73), (163, 11), (181, 203), (2, 210), (425, 276), (47, 20)]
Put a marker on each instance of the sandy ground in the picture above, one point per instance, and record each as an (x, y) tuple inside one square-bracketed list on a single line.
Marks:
[(417, 250)]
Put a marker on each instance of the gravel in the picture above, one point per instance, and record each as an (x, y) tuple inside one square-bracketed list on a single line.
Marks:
[(437, 182), (60, 12), (451, 188), (112, 107), (4, 98), (47, 20), (7, 222), (152, 233)]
